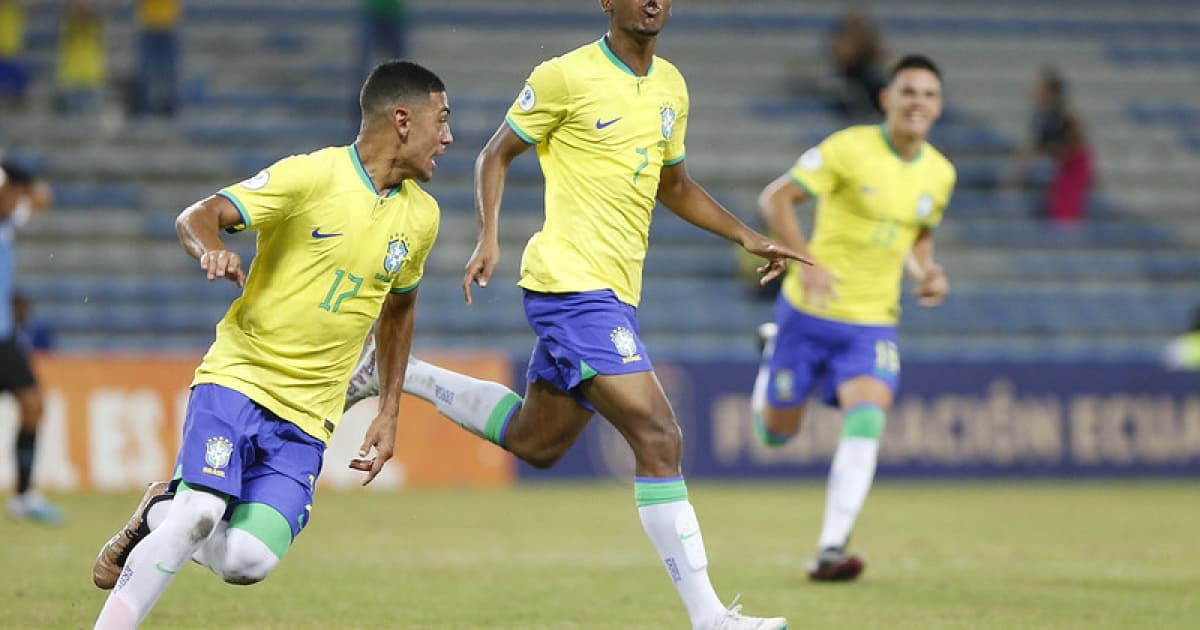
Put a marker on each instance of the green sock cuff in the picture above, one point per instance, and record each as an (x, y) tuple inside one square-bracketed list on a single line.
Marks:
[(653, 490), (264, 523), (864, 421), (765, 436), (499, 417)]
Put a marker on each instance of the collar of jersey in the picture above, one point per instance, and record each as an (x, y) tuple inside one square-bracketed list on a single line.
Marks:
[(366, 179), (888, 141), (616, 61)]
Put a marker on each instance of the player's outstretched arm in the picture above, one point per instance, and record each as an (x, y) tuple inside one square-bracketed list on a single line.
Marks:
[(687, 199), (932, 283), (491, 170), (199, 227), (393, 337)]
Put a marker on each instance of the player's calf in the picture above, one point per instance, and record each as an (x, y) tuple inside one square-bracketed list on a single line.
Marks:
[(248, 560)]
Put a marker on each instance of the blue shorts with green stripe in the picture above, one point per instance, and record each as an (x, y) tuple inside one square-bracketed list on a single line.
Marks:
[(239, 448), (581, 335)]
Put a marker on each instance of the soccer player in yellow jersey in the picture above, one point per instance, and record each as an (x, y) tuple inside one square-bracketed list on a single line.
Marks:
[(608, 120), (880, 193), (343, 235)]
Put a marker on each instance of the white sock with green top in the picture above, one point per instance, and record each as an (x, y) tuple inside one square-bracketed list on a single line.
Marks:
[(481, 407), (670, 523)]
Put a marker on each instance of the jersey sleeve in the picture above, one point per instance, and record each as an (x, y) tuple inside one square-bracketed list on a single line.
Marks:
[(675, 152), (413, 268), (541, 105), (272, 194), (821, 169)]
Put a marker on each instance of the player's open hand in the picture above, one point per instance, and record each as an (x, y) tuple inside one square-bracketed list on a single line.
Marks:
[(777, 257), (222, 263), (820, 285), (481, 265), (380, 437), (933, 286)]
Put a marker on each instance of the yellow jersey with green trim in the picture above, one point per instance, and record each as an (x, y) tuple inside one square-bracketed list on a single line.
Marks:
[(871, 206), (603, 134), (329, 250)]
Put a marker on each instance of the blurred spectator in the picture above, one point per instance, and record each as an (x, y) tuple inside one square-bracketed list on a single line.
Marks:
[(32, 332), (82, 59), (1183, 352), (384, 33), (856, 51), (156, 84), (14, 76), (1058, 139)]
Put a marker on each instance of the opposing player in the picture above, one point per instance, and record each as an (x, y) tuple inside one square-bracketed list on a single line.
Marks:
[(880, 193), (608, 120), (343, 237), (21, 195)]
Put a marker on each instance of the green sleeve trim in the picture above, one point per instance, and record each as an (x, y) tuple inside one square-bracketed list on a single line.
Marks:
[(675, 161), (266, 524), (406, 289), (586, 371), (805, 187), (494, 429), (864, 421), (512, 124), (237, 203), (653, 492)]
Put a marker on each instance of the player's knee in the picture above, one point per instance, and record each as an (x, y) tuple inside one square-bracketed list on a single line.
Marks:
[(248, 560), (198, 512)]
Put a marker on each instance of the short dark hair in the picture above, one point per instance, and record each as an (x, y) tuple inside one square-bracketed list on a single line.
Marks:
[(16, 175), (396, 81), (920, 62)]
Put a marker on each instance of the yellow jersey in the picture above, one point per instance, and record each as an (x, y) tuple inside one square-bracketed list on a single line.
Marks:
[(871, 206), (603, 134), (329, 250)]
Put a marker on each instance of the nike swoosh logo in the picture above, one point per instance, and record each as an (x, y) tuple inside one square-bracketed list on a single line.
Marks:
[(602, 125), (317, 233), (160, 568), (687, 536)]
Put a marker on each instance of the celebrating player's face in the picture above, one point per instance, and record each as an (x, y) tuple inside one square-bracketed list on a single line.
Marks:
[(643, 17), (913, 101), (430, 134)]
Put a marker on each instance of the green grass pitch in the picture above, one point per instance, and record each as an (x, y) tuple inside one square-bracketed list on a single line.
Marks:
[(979, 556)]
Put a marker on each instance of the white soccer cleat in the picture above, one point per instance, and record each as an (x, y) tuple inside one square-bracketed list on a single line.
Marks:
[(733, 619), (364, 381)]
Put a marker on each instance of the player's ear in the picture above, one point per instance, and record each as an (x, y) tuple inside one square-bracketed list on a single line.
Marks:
[(606, 5), (402, 121)]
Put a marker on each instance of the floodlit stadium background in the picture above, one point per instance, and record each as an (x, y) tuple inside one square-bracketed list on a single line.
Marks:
[(1043, 363)]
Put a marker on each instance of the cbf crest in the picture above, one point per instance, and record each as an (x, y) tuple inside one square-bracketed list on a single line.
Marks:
[(625, 343), (396, 253), (668, 120), (217, 451)]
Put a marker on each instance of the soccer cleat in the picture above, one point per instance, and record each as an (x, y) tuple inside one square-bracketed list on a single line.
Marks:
[(111, 559), (733, 619), (766, 333), (32, 506), (833, 564), (364, 380)]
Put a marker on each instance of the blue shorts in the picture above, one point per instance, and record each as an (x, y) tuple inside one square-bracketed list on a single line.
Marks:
[(809, 350), (235, 446), (581, 335)]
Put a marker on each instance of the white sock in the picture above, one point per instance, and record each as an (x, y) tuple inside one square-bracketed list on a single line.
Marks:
[(153, 563), (481, 407), (212, 552), (850, 479), (675, 532)]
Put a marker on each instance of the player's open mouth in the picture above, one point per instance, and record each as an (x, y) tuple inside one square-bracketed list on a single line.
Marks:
[(652, 9)]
